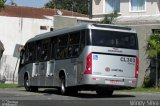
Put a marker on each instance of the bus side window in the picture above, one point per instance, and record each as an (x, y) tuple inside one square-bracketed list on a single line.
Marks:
[(63, 40), (38, 50), (82, 41), (22, 57), (74, 38), (75, 52), (45, 50), (70, 51), (62, 53), (30, 52), (53, 47), (73, 49), (26, 56), (61, 49)]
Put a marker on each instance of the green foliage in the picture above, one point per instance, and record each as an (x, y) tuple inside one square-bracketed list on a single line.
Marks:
[(13, 3), (148, 82), (80, 6), (109, 18), (153, 51), (2, 3), (153, 48)]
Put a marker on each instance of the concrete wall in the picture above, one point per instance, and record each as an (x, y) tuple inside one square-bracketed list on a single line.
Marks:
[(16, 31), (61, 22), (143, 31), (98, 7)]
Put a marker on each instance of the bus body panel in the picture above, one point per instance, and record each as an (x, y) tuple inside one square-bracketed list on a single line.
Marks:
[(113, 62), (70, 70), (38, 75), (50, 73), (108, 67), (29, 70), (111, 65), (109, 81)]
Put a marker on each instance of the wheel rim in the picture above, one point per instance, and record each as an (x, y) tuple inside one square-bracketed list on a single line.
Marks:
[(63, 89), (26, 84)]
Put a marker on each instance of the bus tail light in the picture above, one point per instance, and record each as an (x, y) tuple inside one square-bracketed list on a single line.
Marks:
[(88, 64), (136, 67)]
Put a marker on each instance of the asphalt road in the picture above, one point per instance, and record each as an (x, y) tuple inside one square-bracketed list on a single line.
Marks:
[(50, 97)]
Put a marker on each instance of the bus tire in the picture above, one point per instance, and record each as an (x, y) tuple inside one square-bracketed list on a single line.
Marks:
[(34, 89), (63, 88), (104, 92), (73, 91), (26, 83)]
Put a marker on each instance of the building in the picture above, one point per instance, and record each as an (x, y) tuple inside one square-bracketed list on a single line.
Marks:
[(17, 25), (142, 15), (126, 7)]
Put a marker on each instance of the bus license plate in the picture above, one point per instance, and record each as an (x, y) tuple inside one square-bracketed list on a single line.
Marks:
[(114, 82)]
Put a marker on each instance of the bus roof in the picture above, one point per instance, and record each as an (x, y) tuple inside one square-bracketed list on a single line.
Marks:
[(80, 27)]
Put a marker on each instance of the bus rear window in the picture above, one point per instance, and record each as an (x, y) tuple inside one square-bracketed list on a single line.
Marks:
[(114, 39)]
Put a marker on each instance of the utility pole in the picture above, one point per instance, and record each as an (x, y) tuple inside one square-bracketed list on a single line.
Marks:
[(90, 9), (156, 67)]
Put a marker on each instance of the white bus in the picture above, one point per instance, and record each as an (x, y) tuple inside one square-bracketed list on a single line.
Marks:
[(96, 57)]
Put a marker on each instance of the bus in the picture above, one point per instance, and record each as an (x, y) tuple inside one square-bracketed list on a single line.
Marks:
[(96, 57)]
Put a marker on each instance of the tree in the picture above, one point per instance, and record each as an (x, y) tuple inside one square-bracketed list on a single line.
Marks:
[(2, 3), (153, 45), (13, 3), (153, 50), (109, 18), (80, 6)]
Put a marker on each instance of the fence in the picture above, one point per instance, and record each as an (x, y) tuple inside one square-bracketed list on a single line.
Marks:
[(8, 69)]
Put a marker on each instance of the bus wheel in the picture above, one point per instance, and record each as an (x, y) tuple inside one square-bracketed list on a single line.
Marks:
[(26, 83), (73, 91), (34, 89), (67, 90), (104, 92), (63, 88)]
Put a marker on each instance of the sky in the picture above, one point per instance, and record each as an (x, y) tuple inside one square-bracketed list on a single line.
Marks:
[(30, 3)]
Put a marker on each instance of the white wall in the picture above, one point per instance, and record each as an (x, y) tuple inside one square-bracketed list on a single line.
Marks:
[(98, 7), (16, 30)]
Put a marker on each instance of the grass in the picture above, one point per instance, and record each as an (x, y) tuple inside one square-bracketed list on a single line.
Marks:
[(140, 89), (8, 85)]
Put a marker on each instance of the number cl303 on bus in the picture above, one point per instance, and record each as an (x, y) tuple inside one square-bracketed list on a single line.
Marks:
[(128, 59)]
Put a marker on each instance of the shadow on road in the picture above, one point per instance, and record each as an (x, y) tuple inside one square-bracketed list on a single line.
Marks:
[(85, 94)]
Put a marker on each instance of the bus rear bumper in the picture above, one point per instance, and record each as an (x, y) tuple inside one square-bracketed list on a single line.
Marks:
[(120, 82)]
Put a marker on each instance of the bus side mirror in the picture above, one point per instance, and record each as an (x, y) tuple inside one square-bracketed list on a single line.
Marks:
[(21, 53), (22, 57)]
